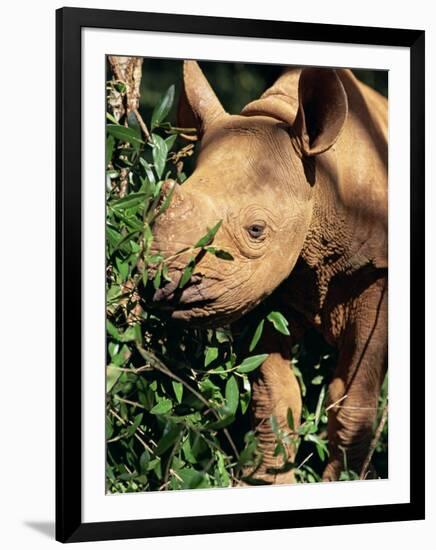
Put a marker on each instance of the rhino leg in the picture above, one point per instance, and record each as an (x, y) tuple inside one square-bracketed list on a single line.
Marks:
[(361, 368), (275, 390)]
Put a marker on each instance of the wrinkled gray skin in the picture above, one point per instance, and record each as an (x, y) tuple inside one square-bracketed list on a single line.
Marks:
[(300, 182)]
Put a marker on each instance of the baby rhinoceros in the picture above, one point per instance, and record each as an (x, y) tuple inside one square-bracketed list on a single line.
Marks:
[(299, 180)]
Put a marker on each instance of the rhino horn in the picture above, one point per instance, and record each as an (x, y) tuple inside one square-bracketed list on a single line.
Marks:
[(198, 104)]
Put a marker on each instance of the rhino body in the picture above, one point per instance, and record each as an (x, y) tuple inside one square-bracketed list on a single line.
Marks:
[(299, 179)]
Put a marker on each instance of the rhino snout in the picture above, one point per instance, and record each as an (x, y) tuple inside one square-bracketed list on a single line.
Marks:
[(171, 294), (167, 292)]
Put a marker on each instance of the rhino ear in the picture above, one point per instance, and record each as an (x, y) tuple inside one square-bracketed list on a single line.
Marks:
[(198, 104), (322, 110)]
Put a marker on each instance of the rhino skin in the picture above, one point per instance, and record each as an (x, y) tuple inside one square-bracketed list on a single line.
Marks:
[(299, 179)]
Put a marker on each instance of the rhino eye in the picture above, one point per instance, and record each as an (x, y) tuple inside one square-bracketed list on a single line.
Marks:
[(256, 230)]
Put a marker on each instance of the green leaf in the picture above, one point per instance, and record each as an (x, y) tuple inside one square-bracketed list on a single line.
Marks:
[(163, 107), (168, 439), (131, 222), (178, 390), (317, 380), (208, 238), (120, 87), (126, 476), (157, 278), (154, 259), (280, 450), (120, 358), (219, 424), (112, 235), (320, 403), (144, 461), (224, 478), (275, 425), (148, 170), (123, 242), (113, 349), (164, 406), (166, 273), (279, 321), (246, 396), (109, 428), (221, 254), (136, 422), (187, 272), (131, 334), (320, 444), (148, 237), (232, 395), (111, 118), (167, 200), (124, 134), (300, 379), (123, 268), (187, 451), (199, 447), (256, 336), (112, 330), (112, 375), (160, 152), (251, 363), (290, 419), (128, 202), (170, 141), (224, 255), (210, 356), (247, 454), (192, 479), (223, 335), (112, 174)]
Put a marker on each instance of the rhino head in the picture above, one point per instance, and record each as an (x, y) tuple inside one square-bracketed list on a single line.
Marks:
[(256, 173)]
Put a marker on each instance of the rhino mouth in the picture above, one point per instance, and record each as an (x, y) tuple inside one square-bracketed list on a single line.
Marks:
[(180, 301), (175, 305), (201, 303)]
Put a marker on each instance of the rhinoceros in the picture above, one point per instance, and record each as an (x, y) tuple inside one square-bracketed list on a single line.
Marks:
[(299, 180)]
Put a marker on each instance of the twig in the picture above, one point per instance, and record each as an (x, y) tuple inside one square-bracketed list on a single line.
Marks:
[(132, 370), (158, 365), (304, 461), (375, 440), (142, 125), (117, 416), (336, 402), (188, 137), (170, 458), (128, 401), (175, 474), (136, 404)]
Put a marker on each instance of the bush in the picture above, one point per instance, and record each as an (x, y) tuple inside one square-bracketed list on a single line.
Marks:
[(178, 397)]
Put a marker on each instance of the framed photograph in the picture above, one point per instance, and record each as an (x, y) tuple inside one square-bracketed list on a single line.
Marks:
[(233, 198)]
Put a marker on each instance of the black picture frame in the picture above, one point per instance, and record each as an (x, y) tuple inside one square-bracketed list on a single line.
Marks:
[(69, 525)]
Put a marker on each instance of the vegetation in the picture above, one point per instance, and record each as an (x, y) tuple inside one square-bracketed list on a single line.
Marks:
[(178, 397)]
